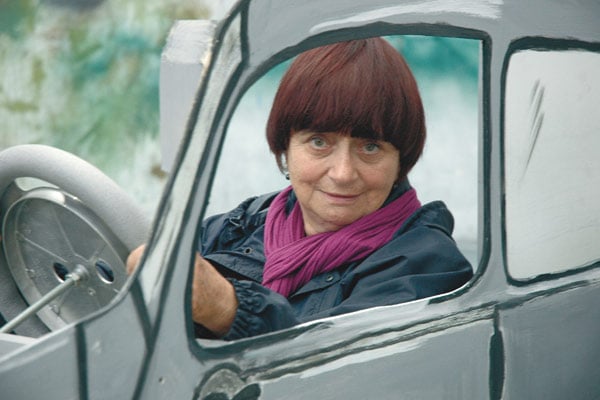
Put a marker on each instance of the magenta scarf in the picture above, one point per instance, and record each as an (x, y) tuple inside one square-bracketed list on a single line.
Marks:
[(292, 258)]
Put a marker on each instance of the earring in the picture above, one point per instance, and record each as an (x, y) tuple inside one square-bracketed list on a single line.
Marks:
[(284, 168)]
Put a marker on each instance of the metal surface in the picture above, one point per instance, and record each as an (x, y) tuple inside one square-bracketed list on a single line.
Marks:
[(85, 197), (70, 280), (47, 235)]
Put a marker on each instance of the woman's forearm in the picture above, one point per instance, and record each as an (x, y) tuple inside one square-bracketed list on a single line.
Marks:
[(214, 303)]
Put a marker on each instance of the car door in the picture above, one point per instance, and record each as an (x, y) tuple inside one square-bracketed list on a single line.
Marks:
[(429, 348)]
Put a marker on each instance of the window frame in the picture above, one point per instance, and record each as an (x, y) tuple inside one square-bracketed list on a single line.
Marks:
[(536, 43)]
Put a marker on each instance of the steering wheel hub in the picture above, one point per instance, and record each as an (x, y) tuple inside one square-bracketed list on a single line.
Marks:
[(47, 234)]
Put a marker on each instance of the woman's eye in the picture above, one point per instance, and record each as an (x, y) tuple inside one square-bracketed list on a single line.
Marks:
[(371, 148), (318, 142)]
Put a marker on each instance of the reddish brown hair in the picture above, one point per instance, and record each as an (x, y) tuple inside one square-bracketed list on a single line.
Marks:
[(362, 87)]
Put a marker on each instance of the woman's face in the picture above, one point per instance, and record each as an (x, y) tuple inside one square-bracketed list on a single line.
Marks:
[(338, 178)]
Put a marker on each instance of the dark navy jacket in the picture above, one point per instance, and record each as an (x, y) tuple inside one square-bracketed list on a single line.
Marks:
[(421, 260)]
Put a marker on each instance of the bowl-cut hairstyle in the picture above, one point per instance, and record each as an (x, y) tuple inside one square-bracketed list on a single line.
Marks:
[(363, 88)]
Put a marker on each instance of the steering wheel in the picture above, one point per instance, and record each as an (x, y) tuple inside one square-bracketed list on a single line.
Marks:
[(79, 219)]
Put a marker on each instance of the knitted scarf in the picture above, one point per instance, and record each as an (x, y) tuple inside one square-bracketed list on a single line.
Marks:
[(292, 258)]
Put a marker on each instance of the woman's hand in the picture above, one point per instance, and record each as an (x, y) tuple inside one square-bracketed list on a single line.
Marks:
[(134, 259), (214, 303)]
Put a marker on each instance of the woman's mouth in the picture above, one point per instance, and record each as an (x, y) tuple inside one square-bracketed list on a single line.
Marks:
[(340, 198)]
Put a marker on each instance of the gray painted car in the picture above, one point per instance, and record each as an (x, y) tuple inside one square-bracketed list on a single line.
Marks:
[(526, 327)]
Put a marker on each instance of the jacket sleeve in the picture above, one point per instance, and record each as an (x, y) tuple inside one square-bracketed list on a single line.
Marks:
[(260, 310)]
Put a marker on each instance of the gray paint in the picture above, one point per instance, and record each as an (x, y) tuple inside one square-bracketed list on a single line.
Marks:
[(552, 345), (493, 338), (180, 71)]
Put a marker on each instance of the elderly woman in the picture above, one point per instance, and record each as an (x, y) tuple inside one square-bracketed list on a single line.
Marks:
[(346, 127)]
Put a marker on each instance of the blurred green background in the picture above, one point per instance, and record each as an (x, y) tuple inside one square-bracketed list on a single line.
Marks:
[(82, 75)]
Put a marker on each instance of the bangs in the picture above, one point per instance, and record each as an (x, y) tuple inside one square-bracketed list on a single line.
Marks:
[(349, 94), (357, 107)]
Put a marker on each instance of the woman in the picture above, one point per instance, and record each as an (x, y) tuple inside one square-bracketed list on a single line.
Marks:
[(346, 127)]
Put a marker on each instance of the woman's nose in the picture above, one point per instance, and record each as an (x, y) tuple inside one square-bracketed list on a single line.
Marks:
[(342, 168)]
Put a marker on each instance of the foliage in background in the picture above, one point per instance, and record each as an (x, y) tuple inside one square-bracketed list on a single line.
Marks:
[(82, 75)]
